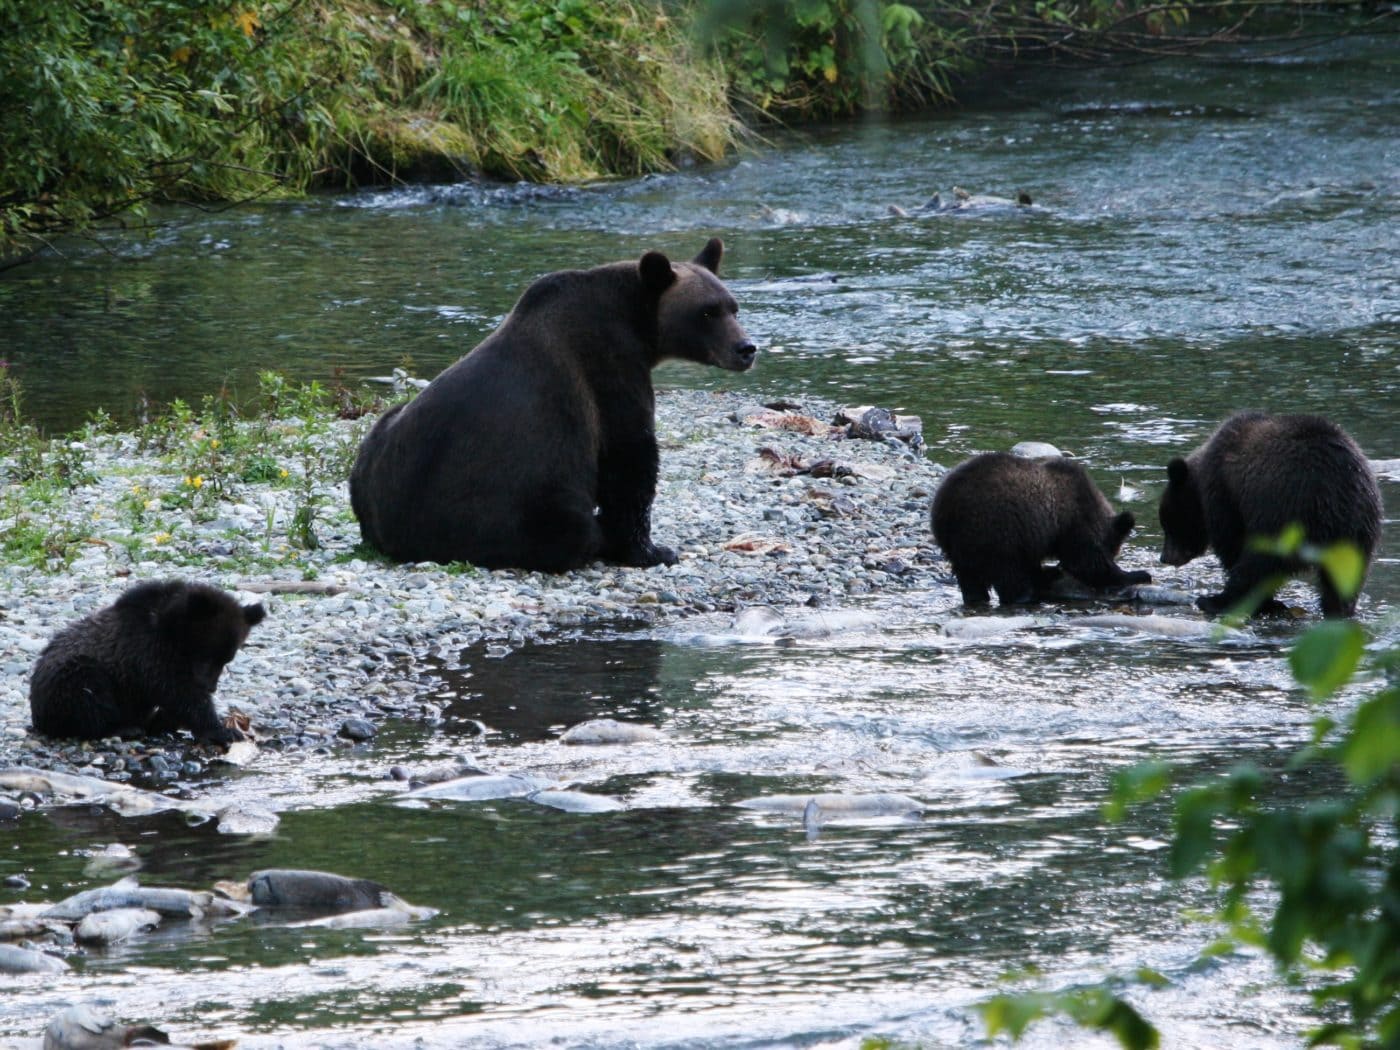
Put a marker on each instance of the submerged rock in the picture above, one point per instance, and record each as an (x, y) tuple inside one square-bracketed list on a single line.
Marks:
[(609, 731)]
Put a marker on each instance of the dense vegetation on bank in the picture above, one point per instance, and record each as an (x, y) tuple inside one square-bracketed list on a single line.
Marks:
[(107, 105)]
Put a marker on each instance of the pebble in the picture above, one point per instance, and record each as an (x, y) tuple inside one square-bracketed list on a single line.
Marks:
[(349, 659)]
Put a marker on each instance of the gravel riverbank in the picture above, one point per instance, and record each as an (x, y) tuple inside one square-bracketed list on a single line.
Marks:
[(764, 506)]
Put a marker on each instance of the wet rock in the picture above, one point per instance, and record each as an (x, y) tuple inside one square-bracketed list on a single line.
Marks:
[(1036, 450), (246, 818), (9, 809), (15, 882), (356, 729)]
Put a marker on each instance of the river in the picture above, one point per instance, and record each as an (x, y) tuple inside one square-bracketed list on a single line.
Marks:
[(1204, 237)]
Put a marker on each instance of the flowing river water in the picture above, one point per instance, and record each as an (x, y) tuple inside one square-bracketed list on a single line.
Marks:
[(1204, 238)]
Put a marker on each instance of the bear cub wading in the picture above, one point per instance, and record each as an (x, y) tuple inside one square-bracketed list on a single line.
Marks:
[(537, 450), (1255, 476), (149, 662), (998, 517)]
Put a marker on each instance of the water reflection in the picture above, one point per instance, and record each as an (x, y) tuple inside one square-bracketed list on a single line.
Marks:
[(533, 692)]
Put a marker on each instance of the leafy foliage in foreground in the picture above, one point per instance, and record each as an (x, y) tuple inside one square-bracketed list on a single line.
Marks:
[(1330, 860)]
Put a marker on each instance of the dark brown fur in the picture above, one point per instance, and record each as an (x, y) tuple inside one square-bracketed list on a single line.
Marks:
[(1254, 477), (149, 662), (998, 517), (537, 449)]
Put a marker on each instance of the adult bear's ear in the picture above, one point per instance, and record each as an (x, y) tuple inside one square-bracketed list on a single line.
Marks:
[(656, 272), (710, 255), (253, 614), (1124, 523), (1178, 473)]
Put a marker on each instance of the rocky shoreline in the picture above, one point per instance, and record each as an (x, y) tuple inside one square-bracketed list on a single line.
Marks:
[(765, 505)]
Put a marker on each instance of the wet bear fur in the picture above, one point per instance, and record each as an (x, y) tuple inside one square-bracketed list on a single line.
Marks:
[(997, 517), (1255, 476), (537, 449), (147, 663)]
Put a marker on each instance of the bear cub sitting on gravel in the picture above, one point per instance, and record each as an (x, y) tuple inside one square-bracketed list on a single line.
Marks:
[(147, 663), (1255, 476), (998, 517)]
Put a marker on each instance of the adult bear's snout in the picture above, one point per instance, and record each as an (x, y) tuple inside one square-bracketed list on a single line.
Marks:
[(744, 353)]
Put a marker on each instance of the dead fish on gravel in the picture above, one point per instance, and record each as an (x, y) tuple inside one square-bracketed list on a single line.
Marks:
[(126, 800), (837, 806), (576, 801), (84, 1028), (18, 960), (127, 893), (609, 731), (484, 788), (108, 927)]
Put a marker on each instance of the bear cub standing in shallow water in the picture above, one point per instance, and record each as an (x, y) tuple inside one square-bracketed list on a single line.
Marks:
[(537, 450), (1255, 476), (998, 517), (148, 662)]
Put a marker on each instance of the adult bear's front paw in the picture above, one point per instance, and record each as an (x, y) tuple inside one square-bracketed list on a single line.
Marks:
[(224, 735), (1212, 604), (645, 555)]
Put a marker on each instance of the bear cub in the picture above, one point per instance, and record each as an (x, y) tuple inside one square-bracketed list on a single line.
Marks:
[(1255, 476), (149, 662), (537, 450), (998, 517)]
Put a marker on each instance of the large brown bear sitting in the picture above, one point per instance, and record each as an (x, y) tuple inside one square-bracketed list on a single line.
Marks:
[(537, 450), (1255, 476), (998, 517), (149, 662)]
